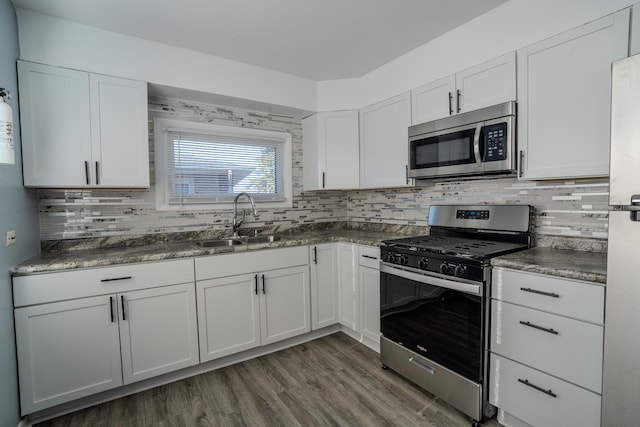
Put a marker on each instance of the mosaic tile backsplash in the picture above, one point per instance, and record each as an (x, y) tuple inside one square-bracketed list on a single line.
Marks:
[(562, 208)]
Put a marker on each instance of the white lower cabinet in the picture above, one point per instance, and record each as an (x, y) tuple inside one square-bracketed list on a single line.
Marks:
[(546, 361), (239, 310), (135, 325), (369, 281), (324, 285), (347, 279), (66, 350)]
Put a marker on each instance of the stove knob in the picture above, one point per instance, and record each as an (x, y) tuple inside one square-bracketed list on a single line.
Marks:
[(445, 268), (460, 270), (423, 264), (403, 260), (391, 257)]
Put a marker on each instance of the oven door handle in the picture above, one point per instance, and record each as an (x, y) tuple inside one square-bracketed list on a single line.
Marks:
[(469, 288)]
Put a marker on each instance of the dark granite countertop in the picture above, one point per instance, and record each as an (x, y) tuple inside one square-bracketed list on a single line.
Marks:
[(73, 259), (571, 264)]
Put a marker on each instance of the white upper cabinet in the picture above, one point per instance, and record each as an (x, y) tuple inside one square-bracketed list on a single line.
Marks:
[(564, 99), (81, 129), (384, 142), (489, 83), (330, 150)]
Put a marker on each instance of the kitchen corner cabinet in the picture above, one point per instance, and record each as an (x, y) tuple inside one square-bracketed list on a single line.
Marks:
[(330, 150), (564, 99), (489, 83), (384, 151), (250, 299), (81, 129), (546, 348), (86, 331), (324, 285)]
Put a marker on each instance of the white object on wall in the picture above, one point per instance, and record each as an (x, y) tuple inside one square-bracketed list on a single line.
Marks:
[(7, 149)]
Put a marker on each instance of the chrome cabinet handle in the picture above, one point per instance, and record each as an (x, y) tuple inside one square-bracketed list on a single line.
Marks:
[(535, 291), (458, 100), (323, 179), (450, 103), (406, 173), (114, 279), (520, 171), (541, 328), (535, 387), (97, 173)]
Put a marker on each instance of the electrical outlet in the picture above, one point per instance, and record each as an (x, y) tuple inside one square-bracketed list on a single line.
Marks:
[(11, 237), (398, 215)]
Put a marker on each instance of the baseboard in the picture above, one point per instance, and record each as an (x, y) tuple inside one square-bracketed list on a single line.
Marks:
[(24, 423)]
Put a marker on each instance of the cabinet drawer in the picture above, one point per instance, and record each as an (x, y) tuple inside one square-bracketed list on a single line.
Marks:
[(568, 406), (369, 256), (240, 263), (567, 348), (48, 287), (571, 298)]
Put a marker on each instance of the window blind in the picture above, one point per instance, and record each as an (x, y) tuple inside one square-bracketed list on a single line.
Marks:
[(214, 167)]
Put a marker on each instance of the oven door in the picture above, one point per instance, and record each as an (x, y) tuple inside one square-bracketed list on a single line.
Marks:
[(438, 318), (452, 151)]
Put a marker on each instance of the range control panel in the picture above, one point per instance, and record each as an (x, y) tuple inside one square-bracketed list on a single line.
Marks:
[(472, 214), (495, 142)]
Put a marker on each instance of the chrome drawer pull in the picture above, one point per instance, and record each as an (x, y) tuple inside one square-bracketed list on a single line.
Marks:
[(531, 325), (535, 387), (116, 278), (535, 291), (370, 257), (421, 365)]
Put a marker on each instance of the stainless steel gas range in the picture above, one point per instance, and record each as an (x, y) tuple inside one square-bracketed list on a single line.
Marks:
[(434, 300)]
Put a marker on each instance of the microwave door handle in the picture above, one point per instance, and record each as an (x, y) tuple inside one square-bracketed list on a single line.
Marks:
[(476, 144)]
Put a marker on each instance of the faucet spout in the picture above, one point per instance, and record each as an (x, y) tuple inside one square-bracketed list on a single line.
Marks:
[(238, 221)]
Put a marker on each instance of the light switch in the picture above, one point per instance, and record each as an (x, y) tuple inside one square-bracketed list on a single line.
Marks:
[(11, 237)]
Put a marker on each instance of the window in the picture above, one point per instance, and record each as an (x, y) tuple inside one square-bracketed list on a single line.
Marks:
[(204, 166)]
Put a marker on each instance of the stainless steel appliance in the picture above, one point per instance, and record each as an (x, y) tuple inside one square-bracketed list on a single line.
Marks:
[(621, 371), (434, 300), (480, 142)]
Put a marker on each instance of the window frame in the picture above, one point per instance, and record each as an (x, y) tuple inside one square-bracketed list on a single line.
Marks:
[(160, 126)]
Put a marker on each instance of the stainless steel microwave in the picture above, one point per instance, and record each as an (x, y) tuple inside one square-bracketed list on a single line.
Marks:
[(480, 142)]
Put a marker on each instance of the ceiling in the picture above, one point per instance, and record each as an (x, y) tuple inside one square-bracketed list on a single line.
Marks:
[(314, 39)]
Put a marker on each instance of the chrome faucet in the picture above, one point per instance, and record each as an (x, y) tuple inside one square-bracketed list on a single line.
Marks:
[(237, 222)]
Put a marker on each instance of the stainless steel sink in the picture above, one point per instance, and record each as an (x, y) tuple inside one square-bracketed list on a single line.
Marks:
[(263, 239), (219, 243)]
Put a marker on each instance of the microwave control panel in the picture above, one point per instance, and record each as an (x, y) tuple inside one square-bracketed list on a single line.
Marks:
[(495, 142)]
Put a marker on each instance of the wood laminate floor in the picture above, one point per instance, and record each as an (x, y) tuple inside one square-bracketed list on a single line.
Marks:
[(331, 381)]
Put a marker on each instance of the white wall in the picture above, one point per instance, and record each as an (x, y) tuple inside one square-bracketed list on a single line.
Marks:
[(66, 44), (19, 212), (515, 24)]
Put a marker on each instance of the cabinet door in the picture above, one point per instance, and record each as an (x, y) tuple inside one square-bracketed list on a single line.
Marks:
[(564, 94), (348, 289), (66, 350), (384, 142), (284, 306), (158, 331), (433, 100), (324, 285), (228, 315), (120, 138), (370, 302), (56, 132), (487, 84)]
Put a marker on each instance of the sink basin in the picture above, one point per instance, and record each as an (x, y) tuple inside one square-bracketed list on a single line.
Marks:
[(263, 239), (219, 243)]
